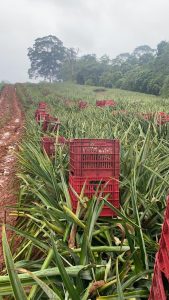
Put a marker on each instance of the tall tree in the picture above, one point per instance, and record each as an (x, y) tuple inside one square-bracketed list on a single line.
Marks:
[(142, 50), (161, 47), (105, 60), (88, 70), (120, 59), (46, 56), (68, 68)]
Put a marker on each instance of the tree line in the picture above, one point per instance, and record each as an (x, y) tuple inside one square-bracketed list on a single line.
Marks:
[(144, 70)]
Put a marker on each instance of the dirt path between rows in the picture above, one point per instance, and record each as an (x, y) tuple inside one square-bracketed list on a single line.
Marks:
[(11, 127)]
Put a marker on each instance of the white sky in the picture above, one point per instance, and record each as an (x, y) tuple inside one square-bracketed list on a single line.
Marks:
[(93, 26)]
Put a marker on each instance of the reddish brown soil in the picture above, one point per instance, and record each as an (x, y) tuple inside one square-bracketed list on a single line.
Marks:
[(11, 125)]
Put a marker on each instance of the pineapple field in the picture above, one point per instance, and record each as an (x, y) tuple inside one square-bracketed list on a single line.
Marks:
[(57, 251)]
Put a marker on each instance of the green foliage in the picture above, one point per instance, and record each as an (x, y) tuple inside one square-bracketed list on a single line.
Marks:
[(144, 70), (46, 57), (165, 88), (16, 285)]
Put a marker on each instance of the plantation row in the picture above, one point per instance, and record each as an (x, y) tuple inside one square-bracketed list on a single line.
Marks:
[(79, 255)]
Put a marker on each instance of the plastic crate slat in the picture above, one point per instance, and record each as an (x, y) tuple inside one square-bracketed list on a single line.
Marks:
[(157, 288)]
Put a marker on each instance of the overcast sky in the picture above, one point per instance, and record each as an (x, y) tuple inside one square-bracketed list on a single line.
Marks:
[(93, 26)]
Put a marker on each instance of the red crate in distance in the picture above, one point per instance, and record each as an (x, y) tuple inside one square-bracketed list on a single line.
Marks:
[(42, 105), (49, 144), (41, 116), (110, 103), (83, 104), (51, 124), (42, 108), (157, 291), (39, 111), (96, 186), (104, 103), (94, 157), (162, 118), (62, 140)]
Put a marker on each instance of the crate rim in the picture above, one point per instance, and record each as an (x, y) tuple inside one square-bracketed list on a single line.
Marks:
[(94, 139)]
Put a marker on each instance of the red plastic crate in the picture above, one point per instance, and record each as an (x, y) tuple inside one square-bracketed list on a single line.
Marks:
[(162, 118), (157, 291), (41, 116), (42, 108), (104, 185), (163, 253), (103, 103), (42, 105), (83, 104), (62, 140), (49, 144), (167, 208), (94, 157), (165, 232), (39, 111), (110, 103), (163, 261), (51, 124)]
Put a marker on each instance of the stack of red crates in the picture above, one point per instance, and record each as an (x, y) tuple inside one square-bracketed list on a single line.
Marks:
[(95, 163), (161, 268), (40, 113), (49, 123)]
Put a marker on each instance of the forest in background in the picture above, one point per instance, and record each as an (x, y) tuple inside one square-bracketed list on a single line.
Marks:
[(144, 70)]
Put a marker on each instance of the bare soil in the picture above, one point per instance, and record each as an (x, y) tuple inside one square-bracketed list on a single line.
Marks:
[(11, 128)]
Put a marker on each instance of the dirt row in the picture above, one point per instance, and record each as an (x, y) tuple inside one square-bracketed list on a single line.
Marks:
[(11, 129)]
